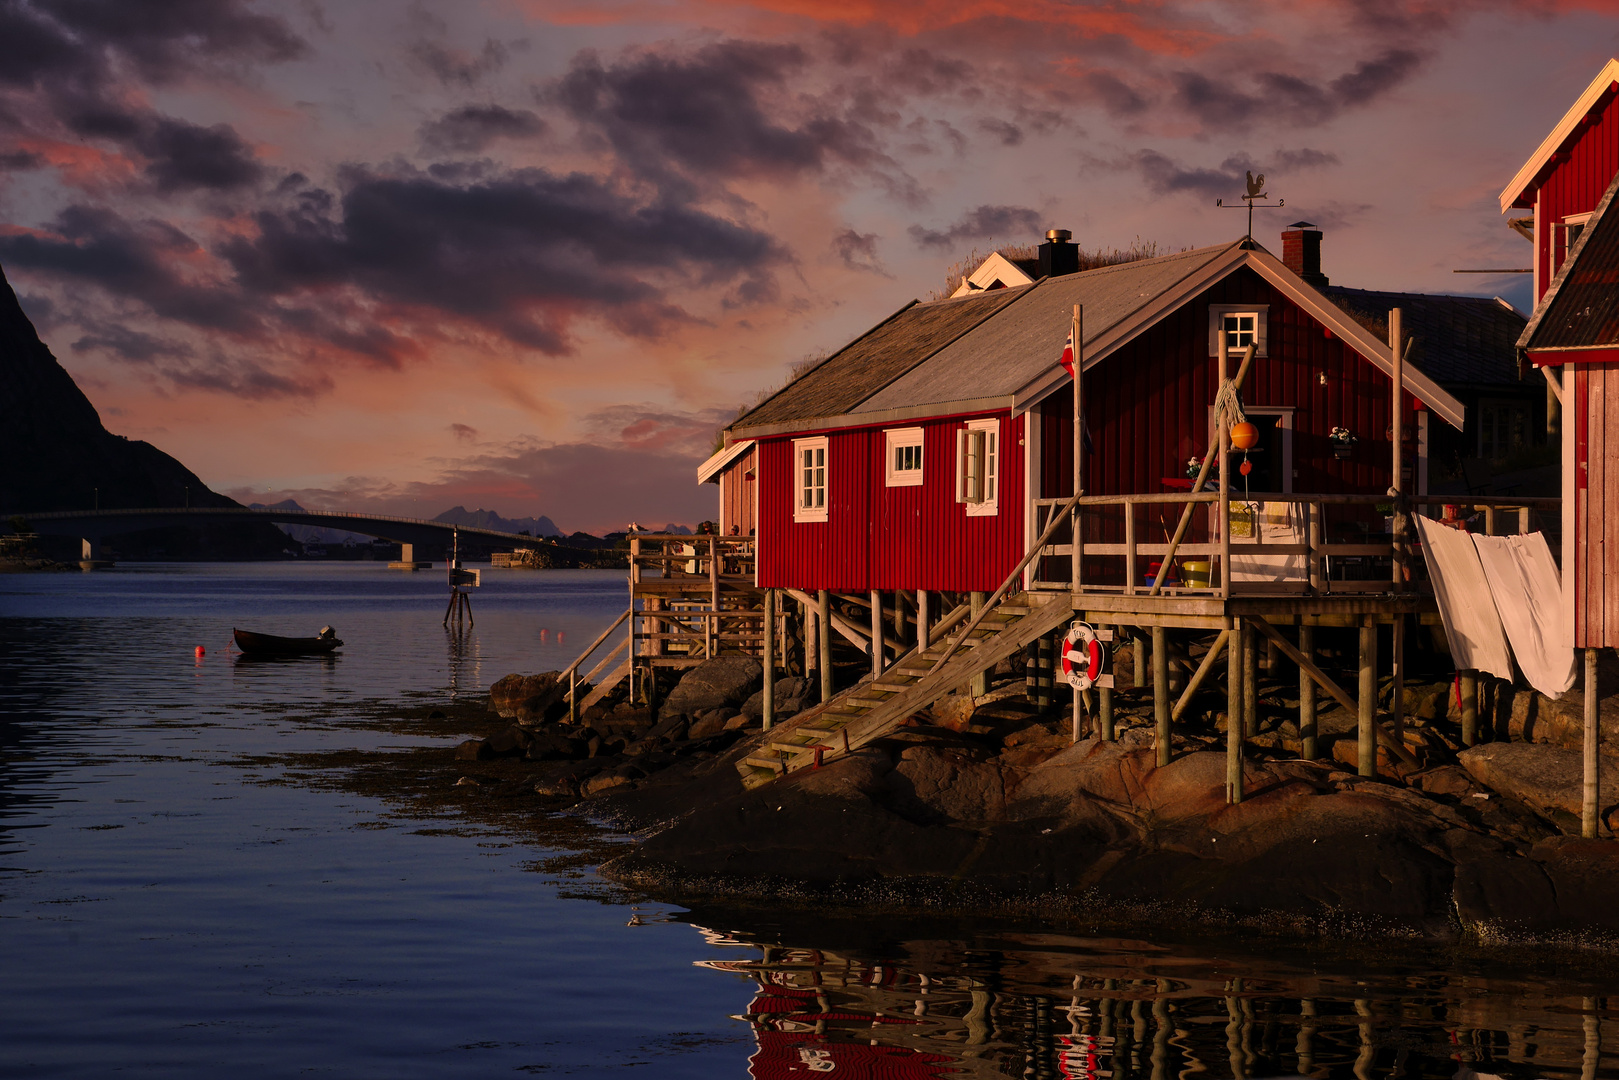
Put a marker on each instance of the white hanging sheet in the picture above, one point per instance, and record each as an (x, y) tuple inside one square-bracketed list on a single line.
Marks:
[(1529, 599), (1472, 625), (1267, 523)]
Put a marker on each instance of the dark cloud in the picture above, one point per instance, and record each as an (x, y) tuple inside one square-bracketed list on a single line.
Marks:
[(131, 344), (1223, 101), (130, 260), (185, 157), (458, 67), (1004, 131), (985, 222), (464, 432), (1114, 94), (720, 110), (858, 251), (471, 128), (521, 254), (1166, 176)]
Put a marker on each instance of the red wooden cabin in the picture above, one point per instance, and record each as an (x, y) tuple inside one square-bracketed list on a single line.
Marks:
[(914, 458), (1570, 183)]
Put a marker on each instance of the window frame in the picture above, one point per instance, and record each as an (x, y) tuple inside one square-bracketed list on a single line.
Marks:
[(989, 504), (1261, 314), (801, 511), (895, 439)]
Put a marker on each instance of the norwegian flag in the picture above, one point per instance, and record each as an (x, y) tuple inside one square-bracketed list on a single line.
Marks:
[(1068, 352)]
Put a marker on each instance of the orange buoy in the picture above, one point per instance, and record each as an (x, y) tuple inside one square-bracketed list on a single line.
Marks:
[(1244, 436), (201, 650)]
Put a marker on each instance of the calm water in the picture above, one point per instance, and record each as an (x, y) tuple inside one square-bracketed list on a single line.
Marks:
[(167, 909)]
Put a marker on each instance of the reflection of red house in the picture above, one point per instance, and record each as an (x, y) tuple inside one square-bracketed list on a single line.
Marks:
[(797, 1037)]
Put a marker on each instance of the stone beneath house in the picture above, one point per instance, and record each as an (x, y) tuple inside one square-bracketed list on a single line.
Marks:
[(1548, 779), (793, 696), (528, 698), (709, 722), (724, 680)]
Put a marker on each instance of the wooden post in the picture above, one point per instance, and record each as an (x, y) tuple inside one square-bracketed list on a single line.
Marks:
[(1043, 674), (1077, 556), (1397, 690), (713, 621), (1396, 427), (1250, 681), (1367, 749), (573, 696), (876, 633), (1469, 706), (1233, 713), (1160, 692), (770, 660), (899, 617), (812, 638), (980, 682), (1139, 675), (1312, 512), (1104, 697), (823, 630), (1130, 574), (1307, 725), (1523, 517), (923, 632), (1593, 776)]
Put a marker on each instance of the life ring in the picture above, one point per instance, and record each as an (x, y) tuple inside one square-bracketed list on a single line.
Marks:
[(1081, 656)]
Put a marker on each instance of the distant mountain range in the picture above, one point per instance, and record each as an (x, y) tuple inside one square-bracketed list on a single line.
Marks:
[(488, 519)]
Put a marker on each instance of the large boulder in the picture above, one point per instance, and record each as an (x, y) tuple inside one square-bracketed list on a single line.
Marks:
[(792, 695), (724, 680), (1548, 779), (528, 698)]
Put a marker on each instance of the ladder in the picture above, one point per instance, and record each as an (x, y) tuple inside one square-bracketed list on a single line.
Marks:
[(871, 709)]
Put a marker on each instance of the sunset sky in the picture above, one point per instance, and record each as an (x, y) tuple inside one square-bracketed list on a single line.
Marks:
[(529, 255)]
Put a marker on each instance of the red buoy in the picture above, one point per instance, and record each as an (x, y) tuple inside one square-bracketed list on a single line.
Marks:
[(201, 650)]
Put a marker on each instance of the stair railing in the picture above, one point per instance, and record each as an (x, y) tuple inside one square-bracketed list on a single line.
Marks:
[(999, 594), (572, 670)]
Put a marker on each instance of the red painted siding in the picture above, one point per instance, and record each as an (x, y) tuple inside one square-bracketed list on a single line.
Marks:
[(1148, 404), (1575, 185), (1596, 505), (878, 537)]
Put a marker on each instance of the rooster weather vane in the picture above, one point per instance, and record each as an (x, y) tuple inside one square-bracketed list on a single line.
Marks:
[(1256, 191)]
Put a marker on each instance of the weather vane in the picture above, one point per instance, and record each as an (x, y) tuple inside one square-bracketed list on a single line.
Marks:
[(1256, 191)]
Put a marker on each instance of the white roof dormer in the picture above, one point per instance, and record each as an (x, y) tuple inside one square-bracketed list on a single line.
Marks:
[(995, 272)]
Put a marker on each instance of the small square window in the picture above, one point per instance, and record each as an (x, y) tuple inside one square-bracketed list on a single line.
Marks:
[(903, 467), (1238, 326), (809, 479)]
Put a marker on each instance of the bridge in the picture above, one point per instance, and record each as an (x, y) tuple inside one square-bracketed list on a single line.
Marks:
[(94, 526)]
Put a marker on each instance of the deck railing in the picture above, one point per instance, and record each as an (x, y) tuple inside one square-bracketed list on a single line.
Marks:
[(696, 598), (1314, 551)]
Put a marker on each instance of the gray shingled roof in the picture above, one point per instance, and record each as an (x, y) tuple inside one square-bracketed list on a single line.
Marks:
[(877, 357), (1460, 339), (1026, 341)]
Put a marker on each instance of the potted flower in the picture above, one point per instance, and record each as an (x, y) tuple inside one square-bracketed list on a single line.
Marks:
[(1342, 441)]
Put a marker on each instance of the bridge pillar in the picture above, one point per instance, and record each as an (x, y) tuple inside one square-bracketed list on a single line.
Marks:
[(407, 559)]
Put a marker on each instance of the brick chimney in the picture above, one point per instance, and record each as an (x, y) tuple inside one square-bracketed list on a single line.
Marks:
[(1301, 252), (1057, 255)]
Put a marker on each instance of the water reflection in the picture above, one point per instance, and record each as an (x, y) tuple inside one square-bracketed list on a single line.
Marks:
[(1131, 1010)]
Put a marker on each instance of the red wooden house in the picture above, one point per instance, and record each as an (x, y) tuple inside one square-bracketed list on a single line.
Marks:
[(1570, 183), (915, 457)]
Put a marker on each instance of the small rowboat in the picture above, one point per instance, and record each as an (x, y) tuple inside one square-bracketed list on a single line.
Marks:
[(253, 644)]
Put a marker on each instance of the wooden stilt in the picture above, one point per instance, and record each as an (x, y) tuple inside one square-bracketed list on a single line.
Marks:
[(1139, 675), (1233, 714), (923, 632), (1593, 777), (1077, 714), (1307, 724), (1469, 692), (1160, 692), (1367, 748), (769, 660), (1250, 681), (573, 695), (1397, 691), (980, 682), (876, 633), (1043, 694), (823, 631), (1104, 707)]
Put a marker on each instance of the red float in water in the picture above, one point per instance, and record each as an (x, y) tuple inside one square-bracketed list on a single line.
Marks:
[(201, 650)]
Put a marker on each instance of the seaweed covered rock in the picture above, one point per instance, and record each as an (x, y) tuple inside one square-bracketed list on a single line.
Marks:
[(528, 698)]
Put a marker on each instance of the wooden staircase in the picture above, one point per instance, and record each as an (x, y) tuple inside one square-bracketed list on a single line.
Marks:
[(872, 709)]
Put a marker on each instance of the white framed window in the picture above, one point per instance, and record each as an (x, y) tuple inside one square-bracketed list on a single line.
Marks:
[(1241, 325), (978, 463), (809, 479), (903, 457)]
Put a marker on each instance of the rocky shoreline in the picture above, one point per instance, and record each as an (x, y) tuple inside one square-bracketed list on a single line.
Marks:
[(987, 806)]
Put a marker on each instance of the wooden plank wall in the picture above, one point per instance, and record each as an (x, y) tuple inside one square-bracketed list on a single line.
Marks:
[(878, 537), (738, 488), (1596, 507), (1575, 186)]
